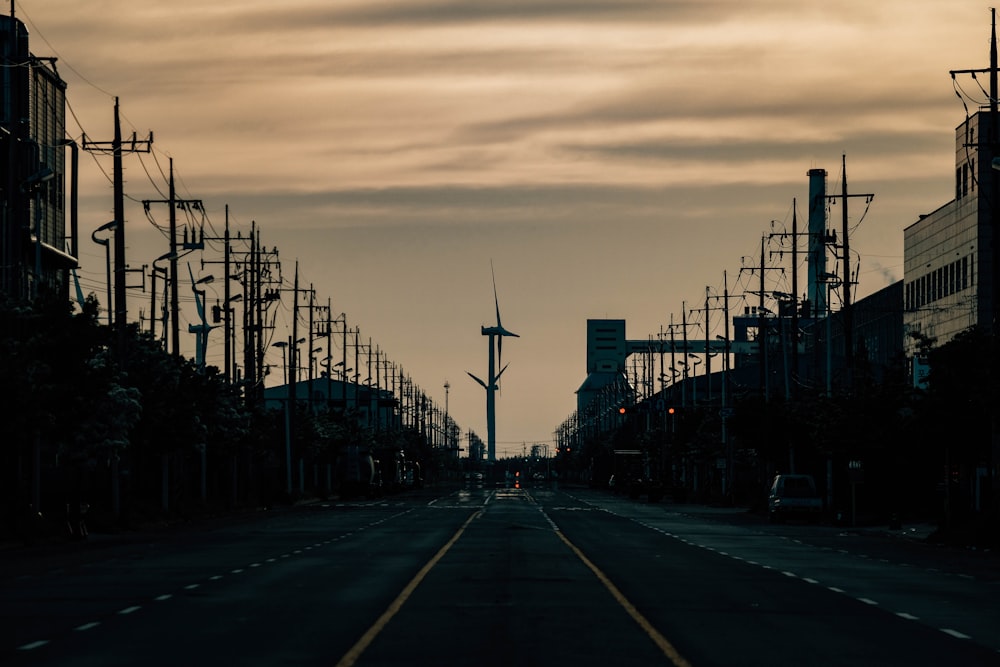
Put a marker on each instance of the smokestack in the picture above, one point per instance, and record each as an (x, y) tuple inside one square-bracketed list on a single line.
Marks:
[(817, 237)]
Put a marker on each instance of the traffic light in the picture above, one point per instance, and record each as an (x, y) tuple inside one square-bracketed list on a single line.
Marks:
[(622, 410)]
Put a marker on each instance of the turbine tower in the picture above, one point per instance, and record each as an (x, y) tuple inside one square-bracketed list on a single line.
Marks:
[(496, 335)]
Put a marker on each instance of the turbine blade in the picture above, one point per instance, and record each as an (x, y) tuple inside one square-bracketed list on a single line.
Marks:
[(496, 300), (481, 383), (501, 372)]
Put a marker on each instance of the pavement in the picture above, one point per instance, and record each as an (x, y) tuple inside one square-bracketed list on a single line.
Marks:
[(59, 552)]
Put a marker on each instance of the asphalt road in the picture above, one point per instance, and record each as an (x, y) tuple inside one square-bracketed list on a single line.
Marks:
[(482, 576)]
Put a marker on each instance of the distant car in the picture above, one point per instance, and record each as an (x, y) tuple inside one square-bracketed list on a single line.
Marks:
[(794, 497)]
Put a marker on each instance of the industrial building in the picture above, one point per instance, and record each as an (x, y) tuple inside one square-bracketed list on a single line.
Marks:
[(37, 251)]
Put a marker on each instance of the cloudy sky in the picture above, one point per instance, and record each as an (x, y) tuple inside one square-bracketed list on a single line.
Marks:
[(611, 158)]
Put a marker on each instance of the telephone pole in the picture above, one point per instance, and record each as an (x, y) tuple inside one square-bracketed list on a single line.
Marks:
[(194, 244), (117, 148), (762, 343), (792, 298), (848, 284)]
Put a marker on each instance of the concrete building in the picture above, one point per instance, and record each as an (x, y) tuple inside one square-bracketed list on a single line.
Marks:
[(948, 254), (36, 252)]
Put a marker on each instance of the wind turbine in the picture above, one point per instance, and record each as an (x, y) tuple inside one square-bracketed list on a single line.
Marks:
[(496, 334), (200, 330)]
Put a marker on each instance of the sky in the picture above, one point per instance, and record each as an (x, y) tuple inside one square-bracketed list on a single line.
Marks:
[(608, 159)]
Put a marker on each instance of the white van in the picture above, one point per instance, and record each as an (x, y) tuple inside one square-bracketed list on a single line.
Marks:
[(794, 496)]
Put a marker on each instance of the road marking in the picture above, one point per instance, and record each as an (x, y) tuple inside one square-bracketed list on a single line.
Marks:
[(129, 610), (909, 617), (162, 598), (355, 652), (191, 587), (661, 642), (86, 626), (867, 601), (33, 645), (955, 633)]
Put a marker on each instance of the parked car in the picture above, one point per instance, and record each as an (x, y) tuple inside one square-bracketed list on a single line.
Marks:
[(794, 496)]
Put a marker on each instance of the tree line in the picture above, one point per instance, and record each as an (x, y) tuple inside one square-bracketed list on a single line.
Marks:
[(136, 435)]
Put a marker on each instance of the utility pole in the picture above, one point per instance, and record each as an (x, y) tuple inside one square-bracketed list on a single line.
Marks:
[(761, 319), (117, 149), (848, 282), (194, 244), (794, 300), (684, 362), (224, 311), (256, 265), (991, 150)]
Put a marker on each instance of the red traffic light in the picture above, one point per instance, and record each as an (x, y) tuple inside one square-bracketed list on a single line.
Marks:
[(622, 410)]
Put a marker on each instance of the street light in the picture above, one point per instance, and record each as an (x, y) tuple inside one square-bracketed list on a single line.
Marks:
[(107, 226), (284, 359), (231, 366), (157, 270), (694, 375), (200, 330)]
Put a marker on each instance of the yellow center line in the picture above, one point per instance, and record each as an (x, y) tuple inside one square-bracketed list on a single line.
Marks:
[(366, 639), (661, 642)]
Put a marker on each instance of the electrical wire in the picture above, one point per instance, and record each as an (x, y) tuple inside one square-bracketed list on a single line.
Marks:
[(38, 33)]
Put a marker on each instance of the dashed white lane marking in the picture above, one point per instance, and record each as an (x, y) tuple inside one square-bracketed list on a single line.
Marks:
[(955, 633), (33, 645), (910, 617)]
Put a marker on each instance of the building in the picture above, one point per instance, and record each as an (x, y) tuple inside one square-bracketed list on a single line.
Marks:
[(948, 258), (36, 252)]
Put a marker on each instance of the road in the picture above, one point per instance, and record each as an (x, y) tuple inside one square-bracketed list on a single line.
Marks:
[(483, 576)]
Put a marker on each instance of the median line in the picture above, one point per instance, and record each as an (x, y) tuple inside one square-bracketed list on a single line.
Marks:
[(355, 652), (661, 642)]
